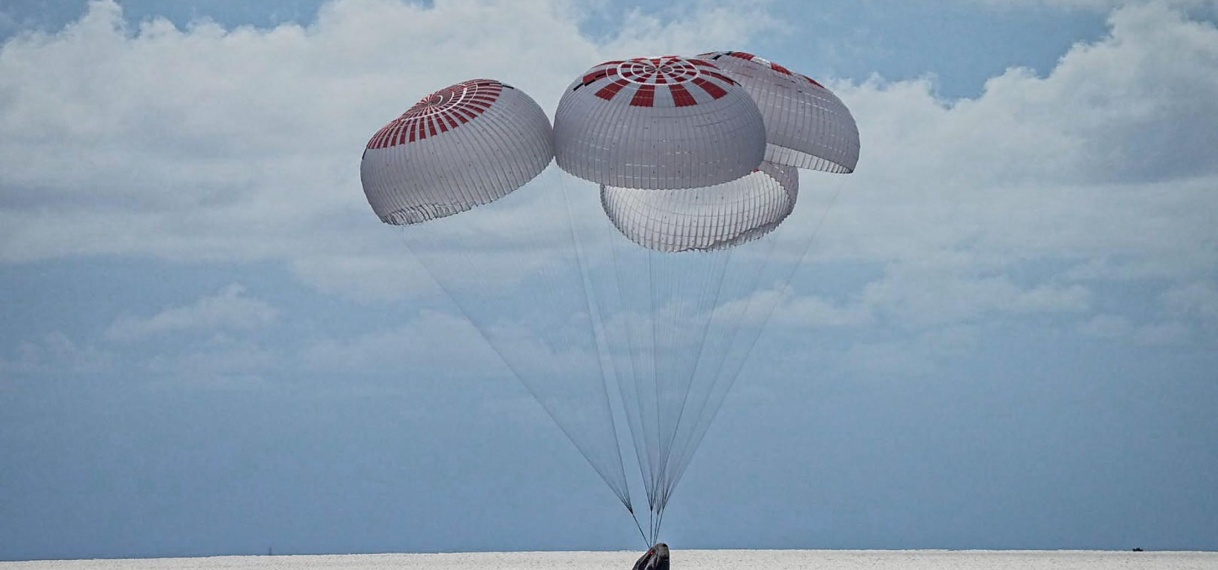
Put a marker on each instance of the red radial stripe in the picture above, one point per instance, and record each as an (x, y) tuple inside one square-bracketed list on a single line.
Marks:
[(710, 88), (599, 74), (812, 81), (435, 113), (719, 76), (644, 97), (609, 91), (648, 77), (682, 97), (780, 69)]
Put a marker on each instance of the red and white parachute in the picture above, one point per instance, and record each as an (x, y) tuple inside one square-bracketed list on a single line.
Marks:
[(628, 288)]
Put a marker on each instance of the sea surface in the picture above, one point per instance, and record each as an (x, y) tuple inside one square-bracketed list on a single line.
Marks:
[(681, 560)]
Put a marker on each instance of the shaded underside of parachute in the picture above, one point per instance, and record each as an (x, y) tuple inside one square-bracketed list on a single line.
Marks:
[(652, 123), (463, 146), (708, 218), (807, 126)]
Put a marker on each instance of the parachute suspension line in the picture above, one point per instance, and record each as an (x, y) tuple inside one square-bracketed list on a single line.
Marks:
[(785, 280), (658, 337), (631, 406), (654, 460), (536, 323), (596, 323), (674, 380), (719, 358), (631, 296), (465, 312), (672, 313), (640, 527), (655, 534), (717, 278)]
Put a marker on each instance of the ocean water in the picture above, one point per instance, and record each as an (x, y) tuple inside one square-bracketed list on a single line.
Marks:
[(682, 560)]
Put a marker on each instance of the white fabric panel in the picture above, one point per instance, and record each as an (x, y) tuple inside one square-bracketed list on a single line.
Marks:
[(463, 146), (664, 122), (714, 217), (806, 124)]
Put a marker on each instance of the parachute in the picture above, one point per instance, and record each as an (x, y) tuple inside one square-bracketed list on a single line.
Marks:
[(627, 288), (716, 217)]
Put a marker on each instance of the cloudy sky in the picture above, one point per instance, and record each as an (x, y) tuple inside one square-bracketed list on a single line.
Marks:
[(1006, 335)]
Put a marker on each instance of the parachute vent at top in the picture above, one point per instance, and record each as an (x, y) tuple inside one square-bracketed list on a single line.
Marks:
[(461, 147), (807, 126), (660, 122)]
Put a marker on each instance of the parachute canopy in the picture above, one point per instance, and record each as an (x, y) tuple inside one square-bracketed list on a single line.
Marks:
[(660, 122), (635, 306), (463, 146), (807, 126), (709, 218)]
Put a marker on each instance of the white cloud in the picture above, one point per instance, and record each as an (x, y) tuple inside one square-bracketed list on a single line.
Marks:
[(206, 143), (230, 309), (815, 311), (432, 337), (55, 353), (219, 364), (784, 308), (935, 295), (8, 23), (1107, 326), (1101, 166), (1197, 300), (1095, 5), (1164, 333), (915, 356), (1121, 328)]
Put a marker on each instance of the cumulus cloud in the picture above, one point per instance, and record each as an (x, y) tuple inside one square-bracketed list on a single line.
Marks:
[(930, 297), (8, 23), (1123, 329), (1095, 5), (1104, 156), (219, 364), (230, 144), (817, 311), (1098, 167), (431, 337), (1196, 300), (55, 353), (230, 309), (236, 144), (919, 355)]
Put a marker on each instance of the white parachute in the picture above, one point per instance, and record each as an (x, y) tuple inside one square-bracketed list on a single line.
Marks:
[(627, 289), (463, 146), (715, 217)]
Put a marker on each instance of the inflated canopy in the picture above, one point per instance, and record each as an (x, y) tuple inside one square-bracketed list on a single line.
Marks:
[(628, 345), (702, 219), (807, 126), (460, 147), (658, 122)]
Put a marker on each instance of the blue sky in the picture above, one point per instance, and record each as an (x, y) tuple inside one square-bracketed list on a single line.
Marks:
[(1005, 336)]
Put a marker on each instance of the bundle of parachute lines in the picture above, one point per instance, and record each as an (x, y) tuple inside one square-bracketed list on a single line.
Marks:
[(690, 154)]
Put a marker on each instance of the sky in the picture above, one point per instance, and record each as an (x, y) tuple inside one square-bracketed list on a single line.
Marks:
[(1005, 337)]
